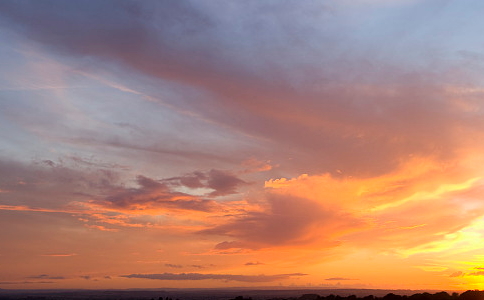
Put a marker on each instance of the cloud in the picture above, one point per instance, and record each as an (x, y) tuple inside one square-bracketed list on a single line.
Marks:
[(60, 254), (102, 228), (350, 117), (26, 282), (303, 221), (226, 277), (389, 137), (95, 194), (55, 186), (197, 266), (173, 266), (479, 273), (339, 279), (221, 182), (457, 274), (45, 276), (253, 263), (152, 194), (253, 165)]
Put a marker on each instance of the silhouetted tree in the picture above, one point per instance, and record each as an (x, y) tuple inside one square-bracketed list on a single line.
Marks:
[(310, 297), (392, 296), (472, 295)]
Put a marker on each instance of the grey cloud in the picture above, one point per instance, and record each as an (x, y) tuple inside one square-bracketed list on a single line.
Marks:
[(339, 279), (173, 266), (226, 277), (45, 276), (25, 282), (61, 187), (350, 105), (222, 182), (151, 194), (197, 266), (286, 221), (193, 180), (50, 182)]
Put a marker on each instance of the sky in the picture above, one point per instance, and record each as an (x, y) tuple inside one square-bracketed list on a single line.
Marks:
[(214, 143)]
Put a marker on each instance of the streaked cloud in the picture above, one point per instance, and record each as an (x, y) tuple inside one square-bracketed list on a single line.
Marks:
[(228, 277), (45, 276), (60, 254)]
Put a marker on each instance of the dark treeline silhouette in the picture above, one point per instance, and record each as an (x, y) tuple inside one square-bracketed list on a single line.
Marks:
[(222, 295), (468, 295)]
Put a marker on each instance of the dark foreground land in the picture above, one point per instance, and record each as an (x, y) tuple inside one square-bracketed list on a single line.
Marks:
[(234, 294)]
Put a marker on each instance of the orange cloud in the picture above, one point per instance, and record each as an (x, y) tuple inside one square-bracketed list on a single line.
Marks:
[(60, 255)]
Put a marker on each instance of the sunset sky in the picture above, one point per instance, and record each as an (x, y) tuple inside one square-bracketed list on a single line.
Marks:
[(220, 143)]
